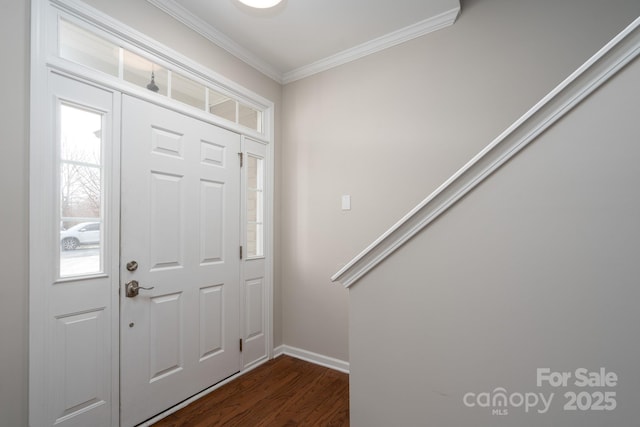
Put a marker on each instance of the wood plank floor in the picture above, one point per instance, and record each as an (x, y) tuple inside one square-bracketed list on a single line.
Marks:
[(282, 392)]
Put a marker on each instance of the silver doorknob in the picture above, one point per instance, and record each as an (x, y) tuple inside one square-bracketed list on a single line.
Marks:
[(133, 288)]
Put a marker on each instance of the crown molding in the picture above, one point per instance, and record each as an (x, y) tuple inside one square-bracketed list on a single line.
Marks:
[(178, 12), (394, 38), (620, 51)]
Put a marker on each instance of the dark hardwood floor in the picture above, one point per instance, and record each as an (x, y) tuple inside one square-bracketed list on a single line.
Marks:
[(282, 392)]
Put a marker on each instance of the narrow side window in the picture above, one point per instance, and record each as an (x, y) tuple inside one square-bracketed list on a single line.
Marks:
[(81, 191), (255, 206)]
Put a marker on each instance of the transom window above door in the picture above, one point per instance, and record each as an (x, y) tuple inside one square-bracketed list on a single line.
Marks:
[(87, 48)]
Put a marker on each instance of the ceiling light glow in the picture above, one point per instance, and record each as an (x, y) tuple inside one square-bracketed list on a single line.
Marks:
[(260, 4)]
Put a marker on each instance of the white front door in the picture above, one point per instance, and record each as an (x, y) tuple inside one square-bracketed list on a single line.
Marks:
[(180, 225)]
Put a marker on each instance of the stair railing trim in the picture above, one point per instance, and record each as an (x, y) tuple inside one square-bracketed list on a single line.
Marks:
[(620, 51)]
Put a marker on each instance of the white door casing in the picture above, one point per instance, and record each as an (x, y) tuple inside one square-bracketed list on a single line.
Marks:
[(180, 207)]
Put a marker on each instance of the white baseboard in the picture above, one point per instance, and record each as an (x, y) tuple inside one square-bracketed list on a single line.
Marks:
[(309, 356)]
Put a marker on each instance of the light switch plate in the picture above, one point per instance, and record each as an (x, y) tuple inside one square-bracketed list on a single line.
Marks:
[(346, 202)]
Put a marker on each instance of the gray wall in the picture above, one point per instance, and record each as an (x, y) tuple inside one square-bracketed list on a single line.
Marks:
[(536, 268), (14, 110), (390, 128)]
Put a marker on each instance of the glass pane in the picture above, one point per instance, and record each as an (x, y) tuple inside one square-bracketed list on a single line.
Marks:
[(250, 117), (80, 191), (251, 240), (222, 106), (255, 206), (254, 240), (187, 91), (259, 243), (80, 140), (252, 205), (81, 46), (138, 70), (254, 172)]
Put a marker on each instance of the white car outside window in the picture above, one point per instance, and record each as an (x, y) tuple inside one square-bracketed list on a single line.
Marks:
[(85, 233)]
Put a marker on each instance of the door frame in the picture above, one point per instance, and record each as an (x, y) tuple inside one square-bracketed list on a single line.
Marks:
[(44, 60)]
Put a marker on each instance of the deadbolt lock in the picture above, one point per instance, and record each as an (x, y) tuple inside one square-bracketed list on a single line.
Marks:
[(132, 266)]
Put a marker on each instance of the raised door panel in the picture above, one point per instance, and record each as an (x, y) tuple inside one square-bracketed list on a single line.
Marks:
[(255, 321), (212, 320), (165, 336), (79, 355), (211, 221), (166, 221)]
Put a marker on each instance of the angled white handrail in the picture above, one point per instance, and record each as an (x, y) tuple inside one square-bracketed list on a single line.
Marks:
[(621, 50)]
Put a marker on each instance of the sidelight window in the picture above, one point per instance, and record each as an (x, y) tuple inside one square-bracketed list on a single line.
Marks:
[(255, 206), (80, 191)]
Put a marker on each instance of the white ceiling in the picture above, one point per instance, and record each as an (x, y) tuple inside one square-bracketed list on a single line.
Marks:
[(302, 37)]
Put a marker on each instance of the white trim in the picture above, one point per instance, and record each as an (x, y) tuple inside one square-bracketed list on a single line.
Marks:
[(38, 173), (309, 356), (591, 75), (269, 218), (394, 38), (278, 351), (115, 210), (181, 14)]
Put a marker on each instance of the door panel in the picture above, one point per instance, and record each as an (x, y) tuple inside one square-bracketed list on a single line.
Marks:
[(79, 356), (165, 218), (211, 321), (211, 221), (255, 292), (180, 223), (165, 335)]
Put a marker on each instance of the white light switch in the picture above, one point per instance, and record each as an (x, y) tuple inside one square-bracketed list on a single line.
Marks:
[(346, 202)]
